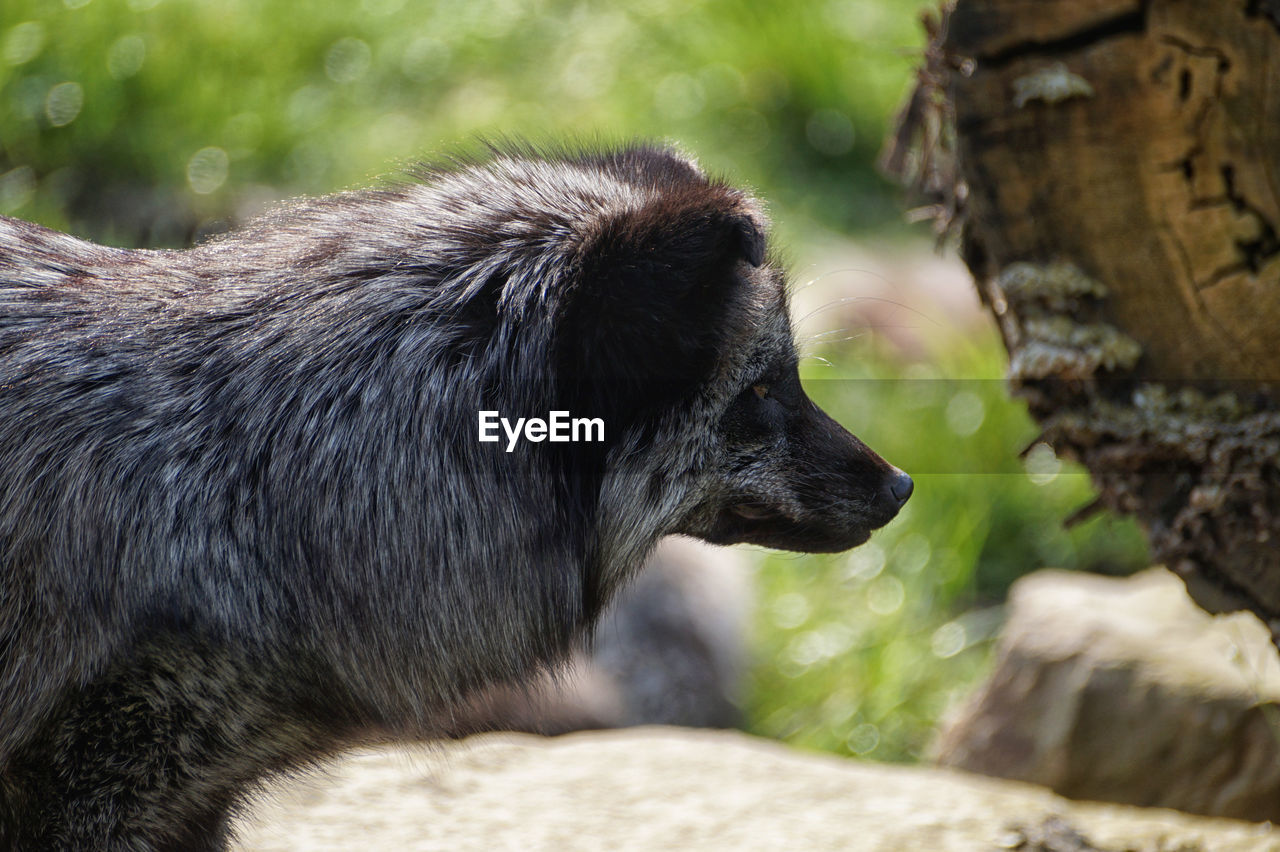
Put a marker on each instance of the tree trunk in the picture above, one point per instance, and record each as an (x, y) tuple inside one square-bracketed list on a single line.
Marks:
[(1115, 165)]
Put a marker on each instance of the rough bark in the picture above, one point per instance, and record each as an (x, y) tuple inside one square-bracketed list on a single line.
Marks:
[(1114, 170)]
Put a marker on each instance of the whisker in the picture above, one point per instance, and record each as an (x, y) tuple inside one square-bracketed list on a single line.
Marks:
[(850, 299), (818, 336), (845, 339), (848, 270)]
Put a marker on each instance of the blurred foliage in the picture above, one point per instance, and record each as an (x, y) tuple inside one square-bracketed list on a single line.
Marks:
[(114, 113), (147, 121), (861, 652)]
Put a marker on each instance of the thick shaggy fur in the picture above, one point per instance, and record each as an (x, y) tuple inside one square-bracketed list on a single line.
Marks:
[(245, 519)]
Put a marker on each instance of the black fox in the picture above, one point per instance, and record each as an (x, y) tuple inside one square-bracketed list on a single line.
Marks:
[(246, 519)]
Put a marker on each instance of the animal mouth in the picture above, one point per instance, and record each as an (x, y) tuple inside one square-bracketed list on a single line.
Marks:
[(769, 525), (753, 512)]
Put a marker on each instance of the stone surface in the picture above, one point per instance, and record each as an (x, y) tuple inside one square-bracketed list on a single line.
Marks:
[(1123, 690), (667, 788)]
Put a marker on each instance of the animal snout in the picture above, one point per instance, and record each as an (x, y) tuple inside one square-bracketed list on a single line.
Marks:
[(898, 489)]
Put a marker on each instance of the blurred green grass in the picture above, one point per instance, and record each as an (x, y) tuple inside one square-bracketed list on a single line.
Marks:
[(147, 122), (861, 653), (204, 100)]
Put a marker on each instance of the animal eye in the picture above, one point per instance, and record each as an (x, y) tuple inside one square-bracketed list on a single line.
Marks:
[(761, 390)]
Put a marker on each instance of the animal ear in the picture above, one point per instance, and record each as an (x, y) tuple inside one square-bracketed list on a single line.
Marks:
[(751, 235), (651, 309)]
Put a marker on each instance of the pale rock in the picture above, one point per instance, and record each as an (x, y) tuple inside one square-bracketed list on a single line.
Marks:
[(676, 789), (1122, 690)]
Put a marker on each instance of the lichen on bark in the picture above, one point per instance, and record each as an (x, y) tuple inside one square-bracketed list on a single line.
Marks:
[(1039, 306)]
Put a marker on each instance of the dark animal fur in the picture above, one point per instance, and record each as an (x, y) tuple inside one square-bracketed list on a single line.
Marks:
[(245, 520), (669, 650)]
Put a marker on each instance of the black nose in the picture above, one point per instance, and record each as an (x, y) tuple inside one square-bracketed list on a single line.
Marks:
[(900, 488)]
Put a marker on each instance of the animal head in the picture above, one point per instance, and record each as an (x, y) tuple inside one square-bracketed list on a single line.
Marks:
[(672, 324), (626, 286)]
